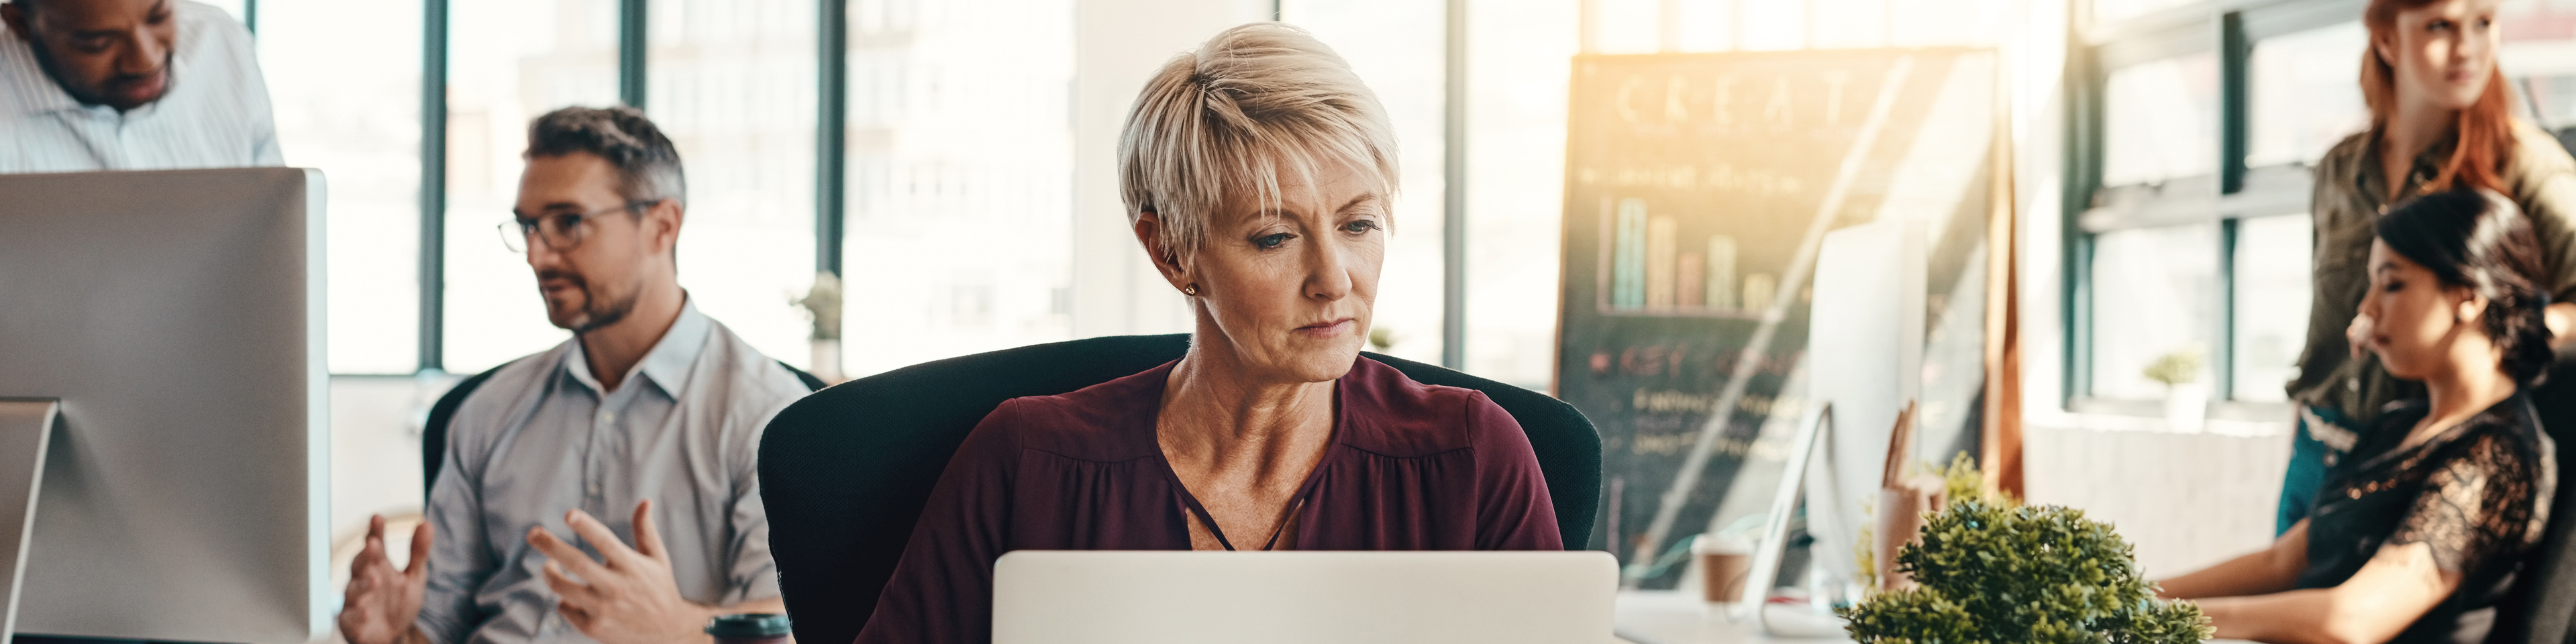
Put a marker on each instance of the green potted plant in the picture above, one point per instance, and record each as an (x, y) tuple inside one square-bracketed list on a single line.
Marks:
[(1994, 574), (2186, 398)]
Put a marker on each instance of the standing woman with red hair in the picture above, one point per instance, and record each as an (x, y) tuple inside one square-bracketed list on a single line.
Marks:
[(2441, 119)]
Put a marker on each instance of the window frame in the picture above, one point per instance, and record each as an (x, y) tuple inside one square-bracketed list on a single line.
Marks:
[(831, 79), (2235, 192)]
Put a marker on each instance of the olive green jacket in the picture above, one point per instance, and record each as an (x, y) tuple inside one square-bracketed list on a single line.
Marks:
[(2351, 194)]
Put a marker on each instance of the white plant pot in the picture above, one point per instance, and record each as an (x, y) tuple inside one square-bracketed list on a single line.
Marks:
[(2186, 406)]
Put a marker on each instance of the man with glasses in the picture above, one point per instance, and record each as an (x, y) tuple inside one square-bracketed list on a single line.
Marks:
[(91, 85), (605, 489)]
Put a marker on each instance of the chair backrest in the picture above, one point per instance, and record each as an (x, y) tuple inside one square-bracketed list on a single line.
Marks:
[(433, 433), (845, 472), (2542, 606)]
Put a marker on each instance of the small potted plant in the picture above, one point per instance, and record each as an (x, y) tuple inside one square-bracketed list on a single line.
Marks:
[(2186, 398), (1988, 573)]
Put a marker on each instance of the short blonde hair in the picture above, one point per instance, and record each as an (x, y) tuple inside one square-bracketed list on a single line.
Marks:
[(1223, 122)]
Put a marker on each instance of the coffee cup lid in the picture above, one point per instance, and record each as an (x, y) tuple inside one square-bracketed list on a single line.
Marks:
[(1708, 545), (748, 625)]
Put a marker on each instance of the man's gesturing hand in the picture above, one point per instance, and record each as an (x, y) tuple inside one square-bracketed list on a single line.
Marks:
[(628, 597), (382, 602)]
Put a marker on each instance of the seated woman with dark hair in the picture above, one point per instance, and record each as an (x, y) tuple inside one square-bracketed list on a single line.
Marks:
[(1258, 173), (2420, 532)]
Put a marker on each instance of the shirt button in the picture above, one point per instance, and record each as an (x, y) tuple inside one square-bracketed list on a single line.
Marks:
[(594, 489), (607, 417)]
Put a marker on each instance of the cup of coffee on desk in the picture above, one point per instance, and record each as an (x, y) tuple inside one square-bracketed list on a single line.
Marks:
[(1724, 564)]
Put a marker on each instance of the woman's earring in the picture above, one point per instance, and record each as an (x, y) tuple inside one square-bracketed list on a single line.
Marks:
[(1192, 290)]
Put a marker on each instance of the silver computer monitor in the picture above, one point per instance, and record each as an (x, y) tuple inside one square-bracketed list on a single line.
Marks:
[(176, 318)]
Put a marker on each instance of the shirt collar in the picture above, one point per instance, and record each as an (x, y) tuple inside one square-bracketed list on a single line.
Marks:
[(666, 366), (2373, 179)]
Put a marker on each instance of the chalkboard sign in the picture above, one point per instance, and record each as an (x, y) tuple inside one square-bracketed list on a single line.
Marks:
[(1697, 188)]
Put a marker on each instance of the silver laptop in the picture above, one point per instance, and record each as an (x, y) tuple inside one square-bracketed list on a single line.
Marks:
[(1152, 597)]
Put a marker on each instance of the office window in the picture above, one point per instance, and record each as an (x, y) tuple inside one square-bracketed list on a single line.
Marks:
[(2273, 287), (2306, 94), (732, 82), (2552, 99), (960, 194), (508, 62), (1635, 26), (234, 8), (1385, 43), (347, 101), (2540, 54), (2161, 121), (2108, 11), (2155, 289), (2168, 184), (1517, 83), (2155, 293)]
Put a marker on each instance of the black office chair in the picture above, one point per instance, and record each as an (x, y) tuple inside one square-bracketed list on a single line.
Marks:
[(433, 433), (2542, 606), (845, 472)]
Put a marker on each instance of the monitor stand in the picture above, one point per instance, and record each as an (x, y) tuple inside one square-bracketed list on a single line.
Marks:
[(25, 428)]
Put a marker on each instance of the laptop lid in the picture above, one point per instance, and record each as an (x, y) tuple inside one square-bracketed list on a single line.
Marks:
[(1152, 597)]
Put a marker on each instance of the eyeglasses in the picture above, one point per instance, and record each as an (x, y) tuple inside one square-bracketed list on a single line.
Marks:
[(559, 231)]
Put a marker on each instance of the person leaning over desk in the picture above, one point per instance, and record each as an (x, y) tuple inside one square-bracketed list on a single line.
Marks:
[(1256, 172), (89, 85), (2441, 118), (650, 406), (2421, 533)]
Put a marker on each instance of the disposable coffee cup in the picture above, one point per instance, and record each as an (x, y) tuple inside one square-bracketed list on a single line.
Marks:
[(749, 628), (1723, 564)]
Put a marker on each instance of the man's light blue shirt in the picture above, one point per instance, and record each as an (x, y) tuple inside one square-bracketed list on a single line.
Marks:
[(215, 113), (541, 437)]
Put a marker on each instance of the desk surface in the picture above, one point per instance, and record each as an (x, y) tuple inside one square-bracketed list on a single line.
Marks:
[(1669, 617)]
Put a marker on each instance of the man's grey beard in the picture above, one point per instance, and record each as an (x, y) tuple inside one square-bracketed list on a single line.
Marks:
[(597, 313)]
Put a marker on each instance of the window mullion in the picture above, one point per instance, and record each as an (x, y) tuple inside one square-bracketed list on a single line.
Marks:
[(2235, 54), (433, 186), (632, 43), (831, 149)]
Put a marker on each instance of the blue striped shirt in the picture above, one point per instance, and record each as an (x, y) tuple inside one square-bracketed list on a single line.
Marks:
[(215, 113)]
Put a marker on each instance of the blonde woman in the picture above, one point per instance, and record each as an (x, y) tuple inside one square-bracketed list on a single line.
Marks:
[(1257, 172)]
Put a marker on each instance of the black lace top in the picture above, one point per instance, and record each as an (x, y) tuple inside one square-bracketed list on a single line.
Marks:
[(2477, 493)]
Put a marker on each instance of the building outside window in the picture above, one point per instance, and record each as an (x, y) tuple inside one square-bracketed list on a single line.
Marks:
[(509, 61), (960, 196), (348, 101), (732, 82)]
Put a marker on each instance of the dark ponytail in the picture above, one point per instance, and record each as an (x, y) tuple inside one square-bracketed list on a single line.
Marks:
[(2477, 239)]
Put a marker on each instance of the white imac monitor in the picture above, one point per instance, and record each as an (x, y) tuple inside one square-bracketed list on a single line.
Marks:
[(163, 406), (1865, 356)]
